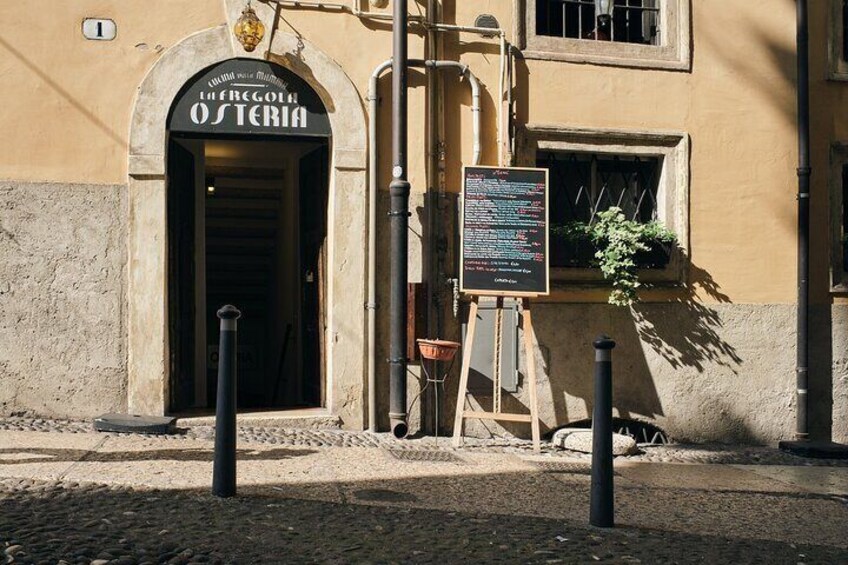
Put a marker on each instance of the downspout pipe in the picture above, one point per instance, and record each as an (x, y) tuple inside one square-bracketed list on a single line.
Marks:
[(373, 182), (371, 305), (432, 272), (804, 172), (475, 99), (399, 190)]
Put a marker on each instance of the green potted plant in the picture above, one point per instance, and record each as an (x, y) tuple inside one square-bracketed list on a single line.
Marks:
[(618, 246), (624, 246)]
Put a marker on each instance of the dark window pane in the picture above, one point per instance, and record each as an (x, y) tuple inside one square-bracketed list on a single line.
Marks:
[(583, 184), (634, 21)]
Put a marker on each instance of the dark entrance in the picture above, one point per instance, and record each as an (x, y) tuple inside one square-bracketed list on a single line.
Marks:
[(248, 172), (247, 223)]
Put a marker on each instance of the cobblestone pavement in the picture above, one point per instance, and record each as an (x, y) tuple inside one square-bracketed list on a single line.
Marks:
[(68, 495), (292, 437), (50, 522)]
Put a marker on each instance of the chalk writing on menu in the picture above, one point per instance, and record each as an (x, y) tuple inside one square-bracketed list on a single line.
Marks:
[(504, 236)]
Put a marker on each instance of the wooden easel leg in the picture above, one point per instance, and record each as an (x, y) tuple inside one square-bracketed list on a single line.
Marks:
[(463, 375), (531, 373)]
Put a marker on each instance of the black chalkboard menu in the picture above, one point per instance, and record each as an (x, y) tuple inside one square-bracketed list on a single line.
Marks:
[(504, 239)]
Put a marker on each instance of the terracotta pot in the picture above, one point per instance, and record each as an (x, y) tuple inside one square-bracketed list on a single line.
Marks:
[(438, 349)]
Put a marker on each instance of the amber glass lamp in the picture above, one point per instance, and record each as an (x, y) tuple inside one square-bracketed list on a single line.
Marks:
[(249, 30)]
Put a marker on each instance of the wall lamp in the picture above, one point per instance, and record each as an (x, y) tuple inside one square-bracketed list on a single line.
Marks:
[(249, 29), (603, 12)]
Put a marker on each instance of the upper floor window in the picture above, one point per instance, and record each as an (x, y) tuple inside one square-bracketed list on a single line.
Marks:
[(630, 33), (631, 21), (838, 40)]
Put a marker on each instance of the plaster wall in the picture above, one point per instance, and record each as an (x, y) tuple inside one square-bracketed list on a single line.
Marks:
[(62, 293), (70, 107), (68, 99), (736, 103), (702, 373)]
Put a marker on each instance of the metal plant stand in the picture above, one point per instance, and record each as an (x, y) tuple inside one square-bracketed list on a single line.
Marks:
[(435, 351)]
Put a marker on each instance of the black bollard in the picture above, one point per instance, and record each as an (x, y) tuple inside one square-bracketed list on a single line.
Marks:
[(224, 470), (601, 508)]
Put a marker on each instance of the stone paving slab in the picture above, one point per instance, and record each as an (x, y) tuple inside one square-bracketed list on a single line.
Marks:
[(820, 480), (702, 477), (46, 456), (162, 463)]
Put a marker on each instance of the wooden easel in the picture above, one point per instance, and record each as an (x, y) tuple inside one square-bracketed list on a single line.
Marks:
[(497, 414)]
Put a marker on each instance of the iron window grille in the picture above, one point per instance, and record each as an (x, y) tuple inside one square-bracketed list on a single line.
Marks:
[(633, 21), (585, 184)]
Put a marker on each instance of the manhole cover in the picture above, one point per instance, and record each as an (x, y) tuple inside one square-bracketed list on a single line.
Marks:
[(380, 495), (426, 456)]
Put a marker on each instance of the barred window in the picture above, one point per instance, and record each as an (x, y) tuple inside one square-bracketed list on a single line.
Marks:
[(838, 185), (845, 30), (584, 184), (633, 21)]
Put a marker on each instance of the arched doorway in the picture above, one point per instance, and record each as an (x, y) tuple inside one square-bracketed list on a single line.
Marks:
[(247, 192), (148, 255)]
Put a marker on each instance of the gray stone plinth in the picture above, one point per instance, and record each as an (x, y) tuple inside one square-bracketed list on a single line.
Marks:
[(581, 440)]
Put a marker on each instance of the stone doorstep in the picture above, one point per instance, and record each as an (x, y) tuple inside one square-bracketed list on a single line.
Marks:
[(304, 419)]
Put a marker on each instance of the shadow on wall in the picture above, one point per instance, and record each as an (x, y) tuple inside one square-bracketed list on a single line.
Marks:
[(652, 340), (696, 342), (565, 333)]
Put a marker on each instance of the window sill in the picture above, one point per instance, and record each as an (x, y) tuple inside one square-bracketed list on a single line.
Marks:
[(839, 73), (672, 275), (839, 288), (612, 59)]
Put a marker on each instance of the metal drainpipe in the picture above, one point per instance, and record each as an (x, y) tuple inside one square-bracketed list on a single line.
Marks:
[(371, 306), (477, 149), (804, 172), (373, 181), (399, 190), (434, 322)]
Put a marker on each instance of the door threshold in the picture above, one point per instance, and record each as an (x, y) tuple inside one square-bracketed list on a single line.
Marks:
[(313, 418)]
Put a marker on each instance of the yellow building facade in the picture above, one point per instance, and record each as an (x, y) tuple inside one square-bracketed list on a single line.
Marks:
[(122, 233)]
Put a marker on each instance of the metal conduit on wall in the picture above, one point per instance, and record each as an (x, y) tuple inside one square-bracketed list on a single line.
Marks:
[(400, 15), (373, 165)]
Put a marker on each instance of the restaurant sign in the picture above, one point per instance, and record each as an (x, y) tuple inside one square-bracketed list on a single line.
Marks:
[(249, 96)]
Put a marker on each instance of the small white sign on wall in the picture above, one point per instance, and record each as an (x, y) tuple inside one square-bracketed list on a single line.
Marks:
[(99, 29)]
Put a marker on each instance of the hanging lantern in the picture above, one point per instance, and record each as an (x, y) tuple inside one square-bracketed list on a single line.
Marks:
[(249, 30), (603, 13), (604, 7)]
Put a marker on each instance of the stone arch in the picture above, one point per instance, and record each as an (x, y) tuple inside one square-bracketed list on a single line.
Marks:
[(147, 316)]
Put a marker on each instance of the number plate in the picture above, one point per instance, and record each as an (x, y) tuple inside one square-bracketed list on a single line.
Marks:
[(99, 29)]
